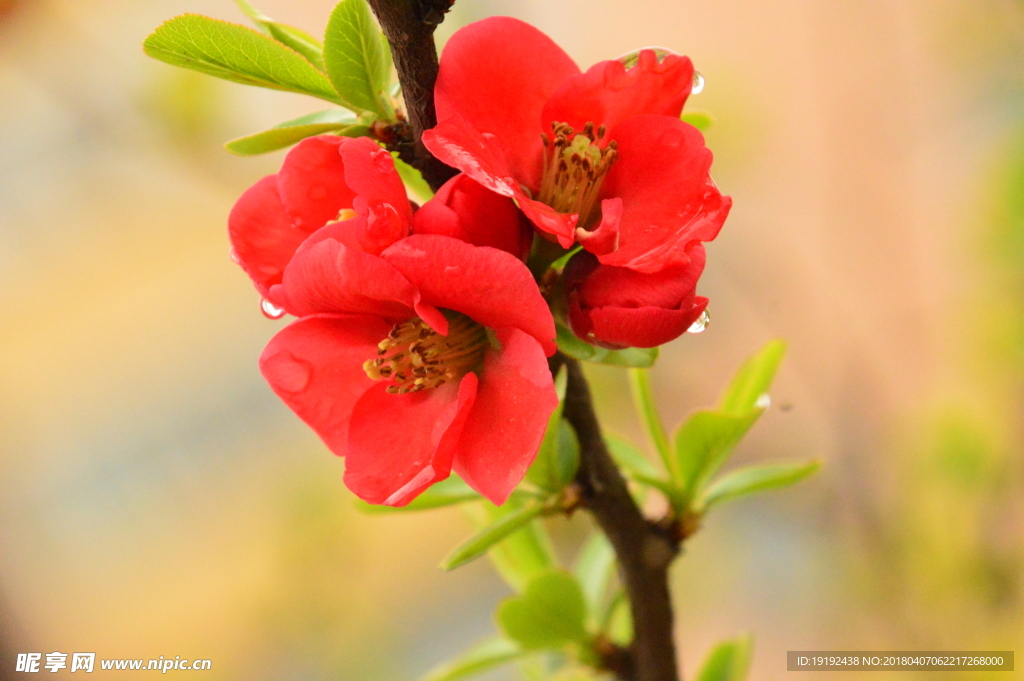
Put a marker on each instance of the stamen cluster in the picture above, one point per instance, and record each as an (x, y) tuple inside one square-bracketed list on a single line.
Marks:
[(575, 165), (415, 357)]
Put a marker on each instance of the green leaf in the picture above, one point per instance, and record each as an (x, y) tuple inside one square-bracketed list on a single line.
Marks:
[(549, 614), (728, 661), (482, 541), (629, 357), (749, 387), (559, 454), (629, 458), (594, 569), (295, 38), (703, 445), (236, 53), (451, 490), (521, 555), (480, 658), (619, 623), (643, 399), (291, 132), (755, 479), (357, 59), (698, 119), (413, 179)]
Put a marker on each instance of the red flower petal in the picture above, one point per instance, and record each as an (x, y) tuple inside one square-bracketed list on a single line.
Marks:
[(315, 366), (466, 210), (456, 142), (262, 235), (605, 237), (498, 73), (330, 277), (400, 444), (490, 286), (380, 193), (547, 219), (668, 198), (642, 327), (513, 403), (313, 182), (608, 93)]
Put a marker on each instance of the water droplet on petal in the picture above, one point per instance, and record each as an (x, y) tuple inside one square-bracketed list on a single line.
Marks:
[(763, 401), (234, 257), (269, 310), (698, 83), (700, 324)]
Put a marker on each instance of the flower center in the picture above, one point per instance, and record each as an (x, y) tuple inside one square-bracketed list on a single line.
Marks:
[(574, 168), (414, 357)]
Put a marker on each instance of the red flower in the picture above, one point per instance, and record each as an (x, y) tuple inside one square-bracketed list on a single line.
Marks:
[(600, 156), (327, 178), (617, 307), (413, 355)]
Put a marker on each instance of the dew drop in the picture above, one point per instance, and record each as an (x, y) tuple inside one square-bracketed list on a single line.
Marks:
[(700, 324), (269, 310), (234, 257), (698, 83), (763, 401)]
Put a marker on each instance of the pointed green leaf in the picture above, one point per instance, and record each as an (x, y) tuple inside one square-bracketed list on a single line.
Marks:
[(629, 357), (523, 554), (413, 179), (630, 459), (753, 379), (594, 569), (549, 614), (643, 399), (703, 445), (559, 454), (755, 479), (728, 661), (294, 131), (452, 490), (236, 53), (356, 59), (619, 623), (295, 38), (698, 119), (480, 658), (482, 541)]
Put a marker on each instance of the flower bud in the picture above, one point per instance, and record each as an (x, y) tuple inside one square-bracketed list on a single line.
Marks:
[(616, 307)]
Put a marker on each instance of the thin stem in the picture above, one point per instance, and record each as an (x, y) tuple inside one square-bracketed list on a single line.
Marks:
[(409, 26), (644, 550)]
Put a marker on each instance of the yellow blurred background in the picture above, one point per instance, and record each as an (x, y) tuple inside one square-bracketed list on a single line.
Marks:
[(157, 499)]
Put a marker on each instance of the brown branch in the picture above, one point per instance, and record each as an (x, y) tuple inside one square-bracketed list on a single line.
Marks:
[(409, 26), (644, 550)]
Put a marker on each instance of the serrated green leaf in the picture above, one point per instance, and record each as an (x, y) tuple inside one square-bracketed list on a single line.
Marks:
[(594, 569), (487, 537), (413, 180), (698, 119), (643, 399), (728, 661), (356, 60), (294, 131), (236, 53), (629, 357), (755, 479), (559, 454), (753, 379), (295, 38), (548, 614), (703, 444), (482, 657), (451, 490)]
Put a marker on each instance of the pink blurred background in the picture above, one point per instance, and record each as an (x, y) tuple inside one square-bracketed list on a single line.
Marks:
[(156, 498)]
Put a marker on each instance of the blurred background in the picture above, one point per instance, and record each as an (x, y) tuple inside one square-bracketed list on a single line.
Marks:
[(157, 499)]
